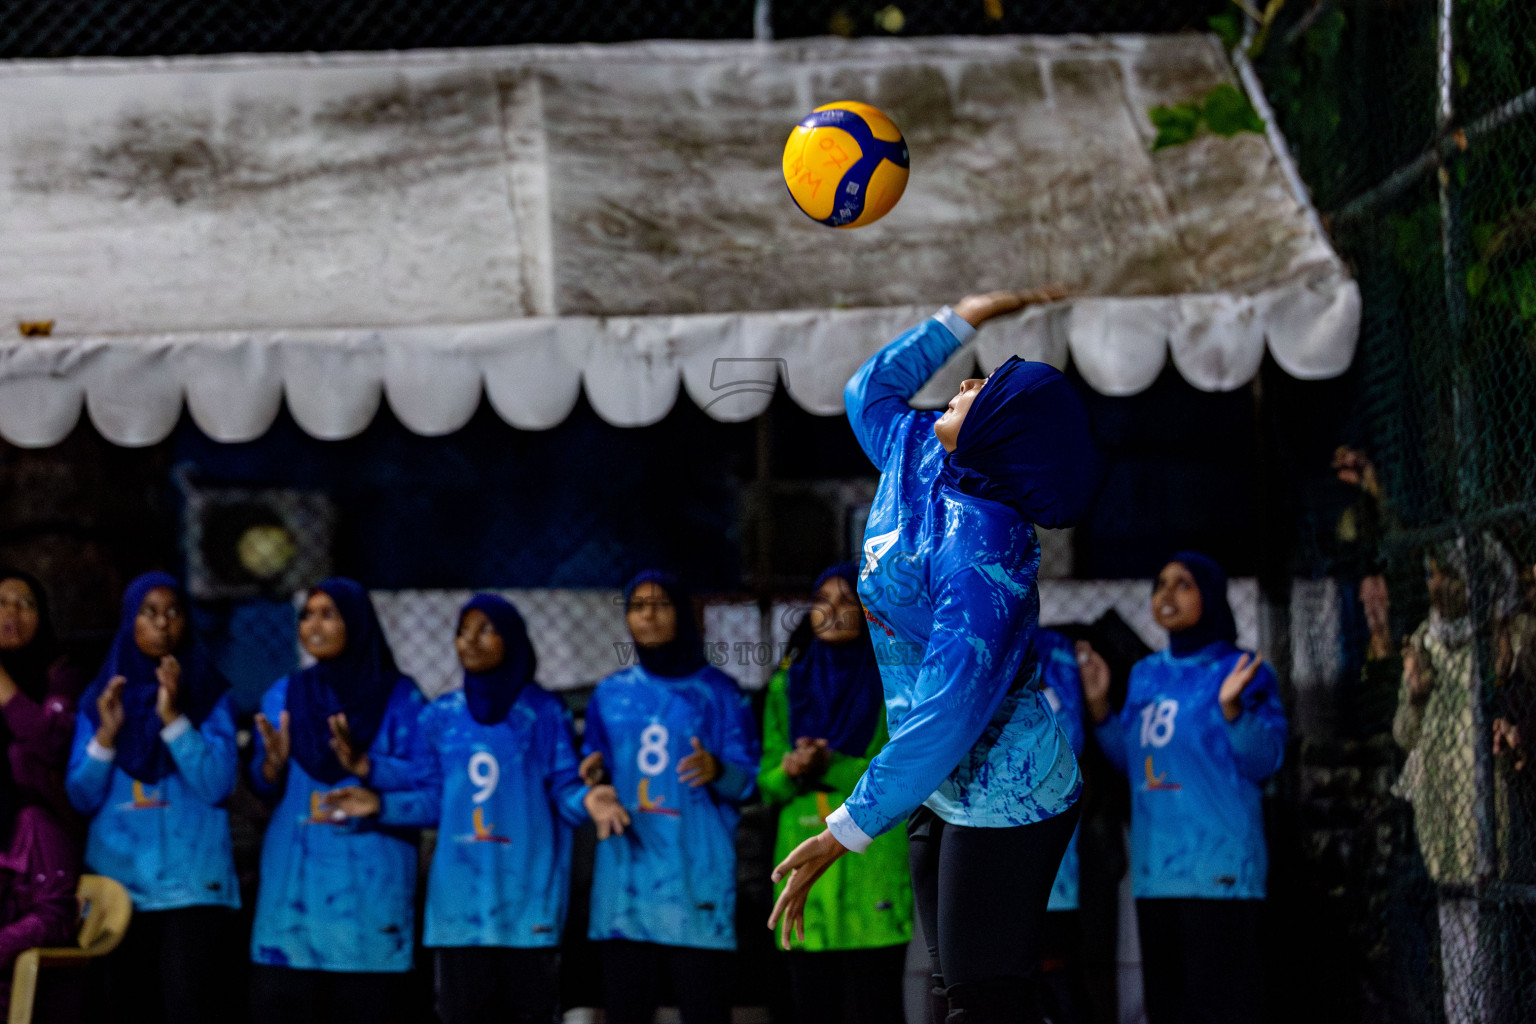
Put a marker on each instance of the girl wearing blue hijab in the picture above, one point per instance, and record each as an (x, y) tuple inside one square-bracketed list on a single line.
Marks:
[(976, 761), (823, 721), (499, 779), (677, 739), (335, 915), (1201, 730), (153, 761)]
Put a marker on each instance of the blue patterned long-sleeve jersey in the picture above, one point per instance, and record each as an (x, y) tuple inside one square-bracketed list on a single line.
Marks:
[(671, 877), (168, 841), (948, 585), (340, 896), (504, 798), (1064, 692), (1197, 830)]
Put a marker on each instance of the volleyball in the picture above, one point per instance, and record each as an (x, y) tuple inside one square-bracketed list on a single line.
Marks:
[(846, 165)]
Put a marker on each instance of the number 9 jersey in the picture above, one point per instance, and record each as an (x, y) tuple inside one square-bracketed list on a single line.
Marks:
[(1197, 829), (504, 798), (671, 877)]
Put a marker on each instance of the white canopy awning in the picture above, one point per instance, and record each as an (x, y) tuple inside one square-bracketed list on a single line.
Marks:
[(527, 222)]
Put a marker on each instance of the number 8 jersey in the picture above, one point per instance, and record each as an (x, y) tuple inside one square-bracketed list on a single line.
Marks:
[(1197, 830), (671, 877)]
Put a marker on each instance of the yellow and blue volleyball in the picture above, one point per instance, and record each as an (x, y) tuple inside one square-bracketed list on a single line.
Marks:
[(846, 165)]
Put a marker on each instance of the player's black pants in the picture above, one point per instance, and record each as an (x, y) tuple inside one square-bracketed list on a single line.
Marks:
[(981, 895), (1200, 960), (497, 985), (633, 974), (283, 995), (171, 968), (859, 985)]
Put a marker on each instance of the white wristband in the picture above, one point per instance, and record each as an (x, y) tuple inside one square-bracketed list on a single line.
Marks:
[(96, 752)]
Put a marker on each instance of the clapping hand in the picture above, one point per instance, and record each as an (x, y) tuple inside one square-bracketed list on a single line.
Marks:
[(109, 709), (809, 760), (169, 675), (352, 802), (276, 743), (610, 817), (1506, 739), (1093, 670), (1237, 681), (342, 745), (699, 768), (593, 773)]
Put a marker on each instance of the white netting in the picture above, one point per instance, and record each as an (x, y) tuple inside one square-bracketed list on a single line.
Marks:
[(580, 635)]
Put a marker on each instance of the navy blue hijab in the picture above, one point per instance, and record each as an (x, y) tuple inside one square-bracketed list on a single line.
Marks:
[(490, 695), (1026, 443), (1216, 621), (357, 682), (683, 655), (140, 751), (834, 689)]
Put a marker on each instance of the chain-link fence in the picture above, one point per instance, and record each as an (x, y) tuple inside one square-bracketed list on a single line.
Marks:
[(1412, 123)]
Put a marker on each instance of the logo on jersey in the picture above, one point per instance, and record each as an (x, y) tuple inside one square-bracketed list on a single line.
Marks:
[(1156, 781), (483, 832), (318, 815), (143, 799)]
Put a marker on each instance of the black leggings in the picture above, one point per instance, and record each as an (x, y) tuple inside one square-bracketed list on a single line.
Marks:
[(1200, 960), (486, 984), (632, 982), (283, 995), (859, 985), (981, 895), (172, 967)]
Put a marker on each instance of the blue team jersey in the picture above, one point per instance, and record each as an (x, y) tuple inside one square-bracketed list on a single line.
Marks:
[(671, 877), (948, 585), (339, 896), (503, 798), (167, 841), (1064, 692), (1197, 830)]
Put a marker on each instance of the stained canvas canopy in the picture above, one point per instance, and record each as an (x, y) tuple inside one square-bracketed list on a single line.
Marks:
[(330, 230)]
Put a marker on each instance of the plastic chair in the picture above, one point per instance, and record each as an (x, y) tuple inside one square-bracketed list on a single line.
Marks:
[(105, 909)]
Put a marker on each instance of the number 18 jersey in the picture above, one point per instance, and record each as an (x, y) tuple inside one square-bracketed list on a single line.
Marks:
[(1197, 830)]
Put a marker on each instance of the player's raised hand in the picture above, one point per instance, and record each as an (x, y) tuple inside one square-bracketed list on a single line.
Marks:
[(1237, 681), (610, 817), (978, 309)]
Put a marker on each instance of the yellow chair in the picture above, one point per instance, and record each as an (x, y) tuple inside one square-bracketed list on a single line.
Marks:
[(105, 909)]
